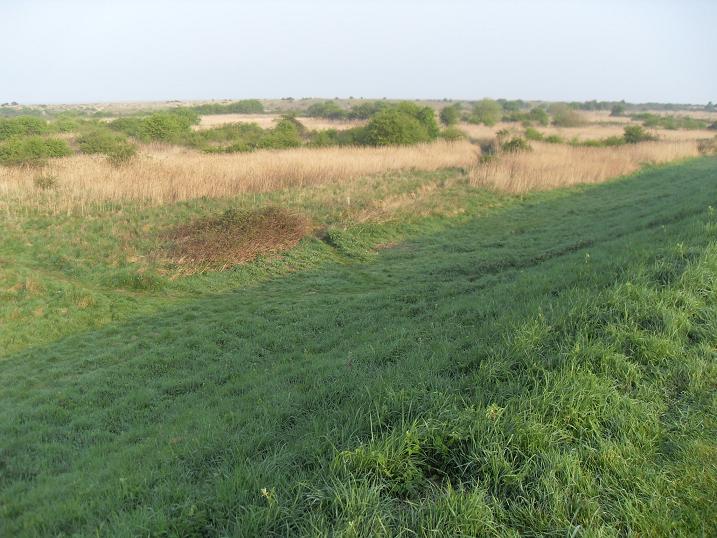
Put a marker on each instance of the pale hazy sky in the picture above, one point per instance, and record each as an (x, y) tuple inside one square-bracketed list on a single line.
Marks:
[(80, 51)]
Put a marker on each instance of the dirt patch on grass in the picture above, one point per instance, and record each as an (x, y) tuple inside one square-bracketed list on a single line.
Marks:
[(234, 237)]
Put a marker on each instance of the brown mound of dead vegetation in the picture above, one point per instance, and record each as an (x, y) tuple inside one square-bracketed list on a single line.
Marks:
[(234, 237)]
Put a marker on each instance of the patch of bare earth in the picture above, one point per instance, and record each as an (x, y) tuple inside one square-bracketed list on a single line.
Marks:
[(234, 237)]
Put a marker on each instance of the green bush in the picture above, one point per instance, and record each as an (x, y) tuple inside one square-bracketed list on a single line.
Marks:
[(486, 111), (66, 123), (618, 109), (452, 134), (515, 144), (565, 116), (117, 148), (31, 150), (245, 106), (539, 115), (286, 134), (656, 121), (328, 109), (451, 115), (636, 133), (174, 126), (365, 111), (425, 115), (22, 126), (393, 127), (533, 134), (553, 139)]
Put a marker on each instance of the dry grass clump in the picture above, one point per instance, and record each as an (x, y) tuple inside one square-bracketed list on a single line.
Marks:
[(234, 237), (551, 166), (165, 174)]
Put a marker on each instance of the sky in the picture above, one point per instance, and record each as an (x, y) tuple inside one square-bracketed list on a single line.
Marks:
[(72, 51)]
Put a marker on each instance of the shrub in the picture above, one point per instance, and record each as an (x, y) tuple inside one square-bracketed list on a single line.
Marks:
[(511, 105), (328, 109), (533, 134), (425, 115), (487, 112), (618, 109), (636, 133), (553, 139), (669, 122), (515, 145), (117, 148), (364, 111), (452, 134), (286, 134), (32, 150), (393, 127), (245, 106), (166, 126), (22, 126), (161, 126), (565, 116), (539, 115), (66, 123), (451, 114)]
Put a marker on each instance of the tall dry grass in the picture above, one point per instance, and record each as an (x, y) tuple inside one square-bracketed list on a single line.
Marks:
[(267, 121), (590, 131), (168, 174), (551, 166)]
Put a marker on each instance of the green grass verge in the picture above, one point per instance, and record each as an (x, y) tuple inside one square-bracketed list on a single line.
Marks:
[(547, 368)]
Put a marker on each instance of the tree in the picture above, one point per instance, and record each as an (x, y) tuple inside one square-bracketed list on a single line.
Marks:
[(618, 109), (450, 115), (565, 116), (487, 112)]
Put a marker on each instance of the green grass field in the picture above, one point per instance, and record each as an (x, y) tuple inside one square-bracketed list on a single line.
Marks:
[(540, 365)]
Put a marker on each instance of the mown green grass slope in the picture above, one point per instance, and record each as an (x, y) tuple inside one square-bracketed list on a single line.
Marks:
[(546, 369)]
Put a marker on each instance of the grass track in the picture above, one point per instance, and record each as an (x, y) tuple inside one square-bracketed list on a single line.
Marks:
[(547, 369)]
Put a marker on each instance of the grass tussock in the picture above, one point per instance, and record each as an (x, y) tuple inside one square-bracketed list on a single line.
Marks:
[(235, 237), (169, 174), (556, 165)]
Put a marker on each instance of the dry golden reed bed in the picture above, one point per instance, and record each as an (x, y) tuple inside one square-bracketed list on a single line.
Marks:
[(165, 174), (551, 166), (268, 121)]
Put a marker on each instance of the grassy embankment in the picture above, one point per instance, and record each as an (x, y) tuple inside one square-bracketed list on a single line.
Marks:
[(543, 366)]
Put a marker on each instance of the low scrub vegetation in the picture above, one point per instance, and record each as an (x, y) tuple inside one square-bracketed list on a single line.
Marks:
[(655, 121), (405, 124), (450, 115), (245, 106), (486, 111), (172, 127), (565, 116), (31, 150), (22, 126), (117, 148)]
